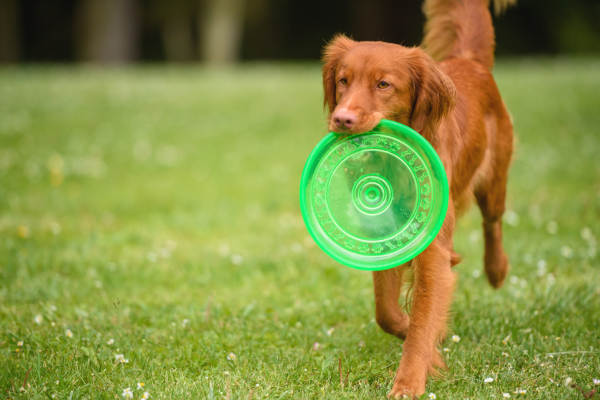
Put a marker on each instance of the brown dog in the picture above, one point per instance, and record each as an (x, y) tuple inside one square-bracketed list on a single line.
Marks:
[(456, 106)]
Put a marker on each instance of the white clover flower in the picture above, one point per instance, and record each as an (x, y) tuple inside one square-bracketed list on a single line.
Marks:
[(541, 268), (446, 350), (488, 380), (127, 393), (68, 333), (432, 396), (20, 343), (231, 356), (38, 319), (257, 385), (569, 382), (236, 259), (506, 395), (140, 385), (566, 252), (523, 283), (586, 234), (146, 395), (330, 331), (121, 359), (511, 217), (455, 338), (111, 341)]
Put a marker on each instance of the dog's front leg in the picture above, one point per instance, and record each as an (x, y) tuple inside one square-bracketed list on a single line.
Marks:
[(432, 293)]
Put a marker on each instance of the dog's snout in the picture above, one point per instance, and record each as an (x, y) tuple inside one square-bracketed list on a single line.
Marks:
[(344, 119)]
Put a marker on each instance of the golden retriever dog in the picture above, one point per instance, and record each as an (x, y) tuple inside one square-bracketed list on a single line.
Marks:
[(446, 92)]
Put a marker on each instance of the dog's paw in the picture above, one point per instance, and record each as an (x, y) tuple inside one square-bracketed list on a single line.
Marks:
[(405, 391), (496, 269)]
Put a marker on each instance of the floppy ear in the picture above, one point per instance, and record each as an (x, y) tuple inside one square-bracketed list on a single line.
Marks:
[(332, 55), (434, 96)]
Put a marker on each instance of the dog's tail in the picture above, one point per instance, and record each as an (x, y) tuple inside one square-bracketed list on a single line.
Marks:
[(461, 28)]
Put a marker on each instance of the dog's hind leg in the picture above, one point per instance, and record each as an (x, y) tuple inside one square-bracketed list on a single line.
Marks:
[(388, 312), (491, 199)]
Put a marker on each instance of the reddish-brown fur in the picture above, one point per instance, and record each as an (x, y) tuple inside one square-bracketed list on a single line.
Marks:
[(456, 106)]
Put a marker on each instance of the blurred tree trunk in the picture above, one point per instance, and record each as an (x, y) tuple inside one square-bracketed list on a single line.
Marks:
[(9, 31), (221, 28), (108, 30), (362, 15), (176, 30), (177, 38)]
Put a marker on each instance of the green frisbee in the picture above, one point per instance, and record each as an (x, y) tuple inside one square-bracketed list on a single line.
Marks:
[(375, 200)]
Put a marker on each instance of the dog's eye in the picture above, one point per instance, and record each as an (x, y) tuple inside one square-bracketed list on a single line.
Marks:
[(343, 81), (383, 85)]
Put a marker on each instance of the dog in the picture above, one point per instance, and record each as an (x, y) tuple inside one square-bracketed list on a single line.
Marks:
[(446, 92)]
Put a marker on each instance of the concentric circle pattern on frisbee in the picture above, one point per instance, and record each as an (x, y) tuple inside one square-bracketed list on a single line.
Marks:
[(375, 200)]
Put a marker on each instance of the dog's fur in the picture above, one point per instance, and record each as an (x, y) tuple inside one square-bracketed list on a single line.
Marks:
[(456, 106)]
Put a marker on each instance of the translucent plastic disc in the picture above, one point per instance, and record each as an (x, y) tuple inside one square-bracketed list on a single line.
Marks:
[(375, 200)]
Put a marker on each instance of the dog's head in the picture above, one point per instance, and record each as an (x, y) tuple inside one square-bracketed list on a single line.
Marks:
[(365, 82)]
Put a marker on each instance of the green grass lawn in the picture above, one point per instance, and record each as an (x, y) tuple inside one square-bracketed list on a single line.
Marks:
[(153, 213)]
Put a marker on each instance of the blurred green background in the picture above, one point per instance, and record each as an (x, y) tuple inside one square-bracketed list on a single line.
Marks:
[(158, 207)]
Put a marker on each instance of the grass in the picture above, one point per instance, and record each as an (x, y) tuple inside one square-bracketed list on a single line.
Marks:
[(158, 207)]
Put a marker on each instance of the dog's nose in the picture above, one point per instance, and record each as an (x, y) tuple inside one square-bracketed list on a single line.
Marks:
[(344, 119)]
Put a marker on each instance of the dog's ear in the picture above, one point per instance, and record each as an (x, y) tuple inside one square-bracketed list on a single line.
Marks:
[(434, 95), (332, 55)]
